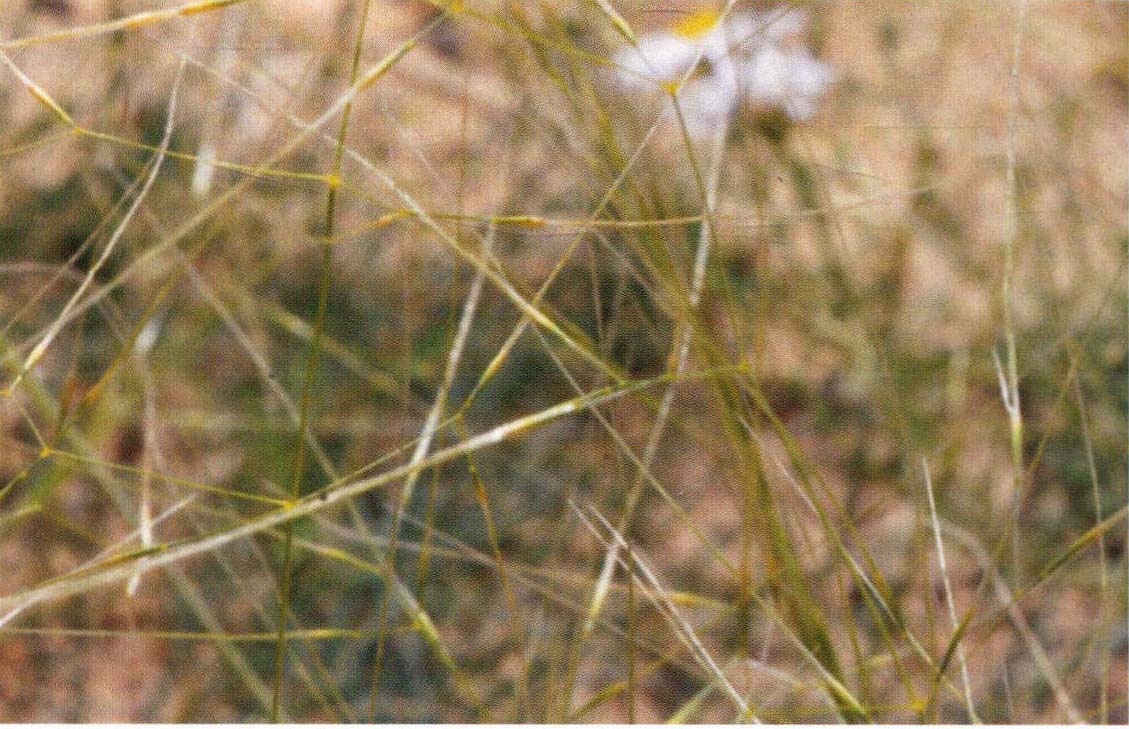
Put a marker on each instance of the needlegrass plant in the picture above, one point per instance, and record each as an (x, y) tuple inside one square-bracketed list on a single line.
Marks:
[(563, 361)]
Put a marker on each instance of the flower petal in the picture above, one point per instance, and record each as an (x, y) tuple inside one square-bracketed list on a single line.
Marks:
[(707, 103), (791, 78), (661, 57)]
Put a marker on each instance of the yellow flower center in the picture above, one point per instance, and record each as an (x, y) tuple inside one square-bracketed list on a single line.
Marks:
[(696, 24)]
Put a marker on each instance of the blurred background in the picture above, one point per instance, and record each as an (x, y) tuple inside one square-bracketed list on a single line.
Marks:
[(157, 324)]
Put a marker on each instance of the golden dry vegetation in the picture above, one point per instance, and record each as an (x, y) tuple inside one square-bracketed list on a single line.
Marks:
[(415, 383)]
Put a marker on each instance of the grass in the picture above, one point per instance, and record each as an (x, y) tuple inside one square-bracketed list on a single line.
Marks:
[(411, 362)]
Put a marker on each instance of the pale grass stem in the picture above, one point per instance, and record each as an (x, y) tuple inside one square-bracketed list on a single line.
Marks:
[(1104, 612), (334, 495), (1009, 604), (701, 258), (1010, 387), (654, 590), (155, 167), (129, 22), (943, 568)]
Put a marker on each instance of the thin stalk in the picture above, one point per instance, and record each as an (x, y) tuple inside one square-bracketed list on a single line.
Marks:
[(942, 566), (658, 428), (662, 602), (336, 494), (137, 20), (311, 370), (155, 167), (423, 446), (630, 635), (1010, 385), (1103, 568)]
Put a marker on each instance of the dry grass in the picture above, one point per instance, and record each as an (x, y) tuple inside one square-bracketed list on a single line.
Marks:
[(625, 490)]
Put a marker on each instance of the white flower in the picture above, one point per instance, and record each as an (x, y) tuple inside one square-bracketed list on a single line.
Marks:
[(714, 66)]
